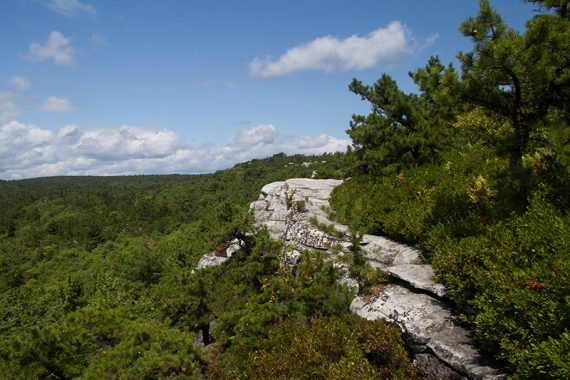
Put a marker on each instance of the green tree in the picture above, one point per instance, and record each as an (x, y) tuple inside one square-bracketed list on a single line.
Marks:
[(404, 129), (561, 7), (520, 77), (184, 299), (339, 347)]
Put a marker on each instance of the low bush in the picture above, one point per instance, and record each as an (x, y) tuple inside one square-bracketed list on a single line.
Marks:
[(515, 277), (459, 194), (339, 347), (505, 262)]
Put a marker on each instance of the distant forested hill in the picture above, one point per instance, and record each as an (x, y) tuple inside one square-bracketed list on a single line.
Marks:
[(98, 280), (91, 210)]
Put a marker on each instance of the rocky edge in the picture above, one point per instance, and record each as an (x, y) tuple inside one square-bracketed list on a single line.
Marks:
[(413, 301)]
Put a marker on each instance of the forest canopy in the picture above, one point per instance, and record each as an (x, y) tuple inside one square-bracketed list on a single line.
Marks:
[(99, 274)]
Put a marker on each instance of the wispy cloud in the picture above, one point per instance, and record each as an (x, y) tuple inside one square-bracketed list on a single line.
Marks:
[(98, 40), (29, 151), (57, 105), (231, 85), (19, 83), (383, 46), (56, 48), (8, 107), (70, 8)]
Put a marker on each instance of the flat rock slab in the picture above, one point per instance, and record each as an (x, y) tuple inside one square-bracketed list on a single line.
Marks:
[(211, 259), (402, 262), (419, 276), (430, 325), (217, 258), (389, 252)]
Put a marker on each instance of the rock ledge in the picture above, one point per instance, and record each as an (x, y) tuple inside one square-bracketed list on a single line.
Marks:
[(415, 303)]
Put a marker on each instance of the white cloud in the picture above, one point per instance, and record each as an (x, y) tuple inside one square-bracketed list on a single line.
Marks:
[(261, 134), (29, 151), (57, 48), (125, 142), (8, 108), (57, 105), (383, 46), (98, 39), (70, 7), (264, 140), (22, 135), (429, 41), (19, 83)]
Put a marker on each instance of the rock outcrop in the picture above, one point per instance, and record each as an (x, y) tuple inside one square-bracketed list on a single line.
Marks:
[(219, 256), (294, 211)]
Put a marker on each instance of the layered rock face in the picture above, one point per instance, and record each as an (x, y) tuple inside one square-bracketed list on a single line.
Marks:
[(294, 211)]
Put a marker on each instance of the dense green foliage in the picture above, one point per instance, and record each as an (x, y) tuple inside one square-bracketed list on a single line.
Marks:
[(489, 204), (99, 278), (403, 129), (341, 347), (99, 274), (520, 77)]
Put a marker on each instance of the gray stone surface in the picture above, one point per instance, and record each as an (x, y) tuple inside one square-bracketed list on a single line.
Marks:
[(292, 225), (211, 259), (402, 262), (217, 258), (435, 369), (414, 302), (419, 276), (285, 208), (426, 322)]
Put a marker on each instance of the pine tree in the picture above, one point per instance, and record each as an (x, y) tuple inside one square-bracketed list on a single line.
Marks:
[(521, 77), (404, 130)]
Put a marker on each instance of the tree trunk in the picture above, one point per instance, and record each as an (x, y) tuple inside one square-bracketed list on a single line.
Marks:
[(515, 159), (205, 328)]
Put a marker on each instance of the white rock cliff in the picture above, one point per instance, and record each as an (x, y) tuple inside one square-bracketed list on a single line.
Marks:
[(414, 302)]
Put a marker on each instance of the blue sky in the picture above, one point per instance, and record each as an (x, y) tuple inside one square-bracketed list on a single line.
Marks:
[(146, 87)]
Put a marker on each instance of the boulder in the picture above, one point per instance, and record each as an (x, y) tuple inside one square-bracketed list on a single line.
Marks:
[(211, 259), (219, 256)]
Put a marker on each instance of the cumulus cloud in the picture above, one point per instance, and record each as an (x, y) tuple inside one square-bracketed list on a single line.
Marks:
[(29, 151), (264, 140), (56, 48), (383, 46), (261, 134), (8, 108), (19, 83), (57, 105), (70, 8)]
